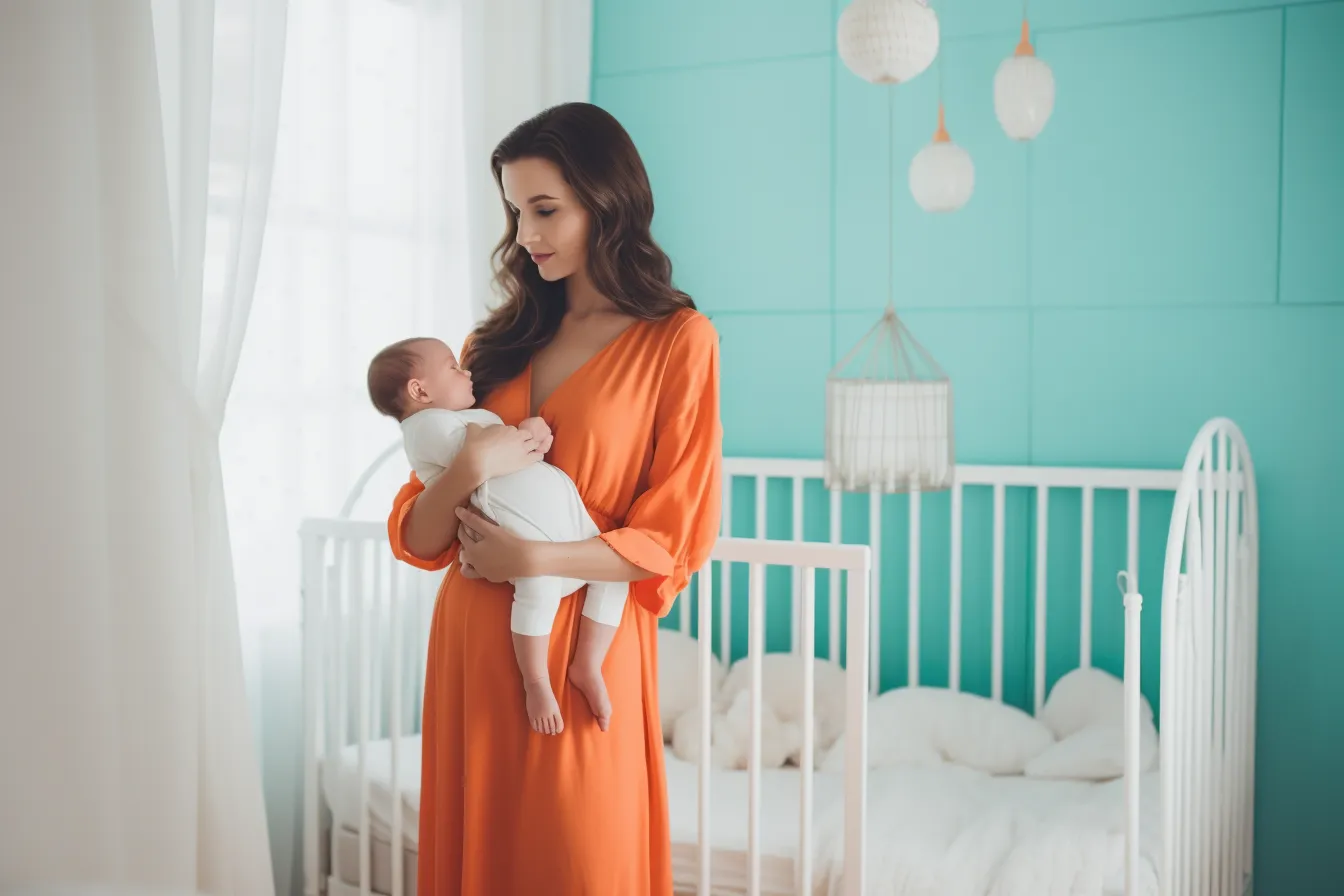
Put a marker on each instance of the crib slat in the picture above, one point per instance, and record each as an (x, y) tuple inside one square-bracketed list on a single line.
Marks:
[(761, 484), (834, 598), (376, 644), (1220, 791), (760, 506), (1167, 744), (1042, 569), (807, 763), (954, 621), (1133, 652), (755, 654), (1238, 664), (997, 659), (358, 605), (798, 646), (1248, 594), (1205, 659), (314, 596), (875, 634), (1085, 626), (1132, 538), (341, 670), (912, 622), (726, 579), (1190, 702), (858, 608), (706, 597), (394, 615)]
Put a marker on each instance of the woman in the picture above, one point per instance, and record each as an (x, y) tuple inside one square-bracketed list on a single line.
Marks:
[(592, 337)]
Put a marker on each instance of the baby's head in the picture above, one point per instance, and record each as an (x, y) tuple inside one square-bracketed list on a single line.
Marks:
[(417, 374)]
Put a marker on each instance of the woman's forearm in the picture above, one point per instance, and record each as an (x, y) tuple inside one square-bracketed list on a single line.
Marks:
[(591, 560), (431, 524)]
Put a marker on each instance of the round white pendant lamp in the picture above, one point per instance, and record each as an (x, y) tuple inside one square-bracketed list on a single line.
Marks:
[(888, 41), (942, 176), (1024, 91)]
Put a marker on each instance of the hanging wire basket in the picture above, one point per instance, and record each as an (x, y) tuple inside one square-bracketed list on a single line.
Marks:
[(889, 415)]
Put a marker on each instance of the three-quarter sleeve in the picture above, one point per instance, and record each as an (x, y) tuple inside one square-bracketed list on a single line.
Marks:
[(396, 524), (671, 528)]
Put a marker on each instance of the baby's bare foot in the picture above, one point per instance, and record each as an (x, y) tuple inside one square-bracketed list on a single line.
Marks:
[(542, 709), (588, 679)]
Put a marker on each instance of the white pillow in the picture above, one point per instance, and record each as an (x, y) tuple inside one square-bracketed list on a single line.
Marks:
[(730, 736), (679, 676), (1086, 710), (1096, 753), (1086, 697), (782, 691), (893, 746), (928, 726)]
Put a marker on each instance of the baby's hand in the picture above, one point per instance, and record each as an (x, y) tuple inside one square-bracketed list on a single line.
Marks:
[(540, 431)]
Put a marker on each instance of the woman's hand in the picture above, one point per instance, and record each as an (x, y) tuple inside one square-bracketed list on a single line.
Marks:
[(495, 451), (489, 551)]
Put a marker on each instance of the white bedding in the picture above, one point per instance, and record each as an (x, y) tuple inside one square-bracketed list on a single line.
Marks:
[(945, 830)]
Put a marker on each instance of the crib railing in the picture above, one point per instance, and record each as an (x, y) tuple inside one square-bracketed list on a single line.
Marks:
[(1040, 483), (366, 630), (805, 559)]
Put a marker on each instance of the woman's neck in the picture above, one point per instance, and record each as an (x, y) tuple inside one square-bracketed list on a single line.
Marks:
[(582, 298)]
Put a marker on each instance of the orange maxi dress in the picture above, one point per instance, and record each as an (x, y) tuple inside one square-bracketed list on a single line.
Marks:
[(504, 810)]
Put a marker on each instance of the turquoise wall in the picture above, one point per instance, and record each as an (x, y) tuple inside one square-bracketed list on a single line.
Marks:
[(1170, 249)]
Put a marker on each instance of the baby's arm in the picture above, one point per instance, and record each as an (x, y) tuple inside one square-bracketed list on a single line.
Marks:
[(440, 442), (537, 428)]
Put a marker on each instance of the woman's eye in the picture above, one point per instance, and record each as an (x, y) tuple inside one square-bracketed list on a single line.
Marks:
[(545, 212)]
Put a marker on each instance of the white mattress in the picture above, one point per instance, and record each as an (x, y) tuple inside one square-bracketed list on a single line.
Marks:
[(930, 831)]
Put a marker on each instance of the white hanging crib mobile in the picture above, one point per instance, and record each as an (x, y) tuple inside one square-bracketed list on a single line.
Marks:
[(889, 415)]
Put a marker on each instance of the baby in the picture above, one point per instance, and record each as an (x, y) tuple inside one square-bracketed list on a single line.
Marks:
[(418, 383)]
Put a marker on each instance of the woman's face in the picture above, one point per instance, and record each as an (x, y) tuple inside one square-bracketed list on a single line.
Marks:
[(552, 224)]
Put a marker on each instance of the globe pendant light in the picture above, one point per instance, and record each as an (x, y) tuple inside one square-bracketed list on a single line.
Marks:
[(942, 176), (1024, 91), (887, 41)]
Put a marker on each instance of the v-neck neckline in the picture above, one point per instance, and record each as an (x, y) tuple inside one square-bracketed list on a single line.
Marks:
[(573, 373)]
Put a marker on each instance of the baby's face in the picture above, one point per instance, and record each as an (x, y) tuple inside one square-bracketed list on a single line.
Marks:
[(439, 381)]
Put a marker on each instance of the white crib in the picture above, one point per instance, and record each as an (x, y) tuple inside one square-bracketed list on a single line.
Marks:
[(366, 626)]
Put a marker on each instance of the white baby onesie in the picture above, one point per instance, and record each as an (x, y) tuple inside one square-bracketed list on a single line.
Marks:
[(539, 502)]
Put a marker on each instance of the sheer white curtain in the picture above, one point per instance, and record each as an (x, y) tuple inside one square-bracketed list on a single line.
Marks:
[(364, 246), (136, 185), (382, 218), (525, 56)]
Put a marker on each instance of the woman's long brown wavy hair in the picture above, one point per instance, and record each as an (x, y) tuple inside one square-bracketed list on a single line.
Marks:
[(601, 165)]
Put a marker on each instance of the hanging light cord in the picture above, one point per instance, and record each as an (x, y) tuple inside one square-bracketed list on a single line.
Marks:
[(941, 69), (891, 203)]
